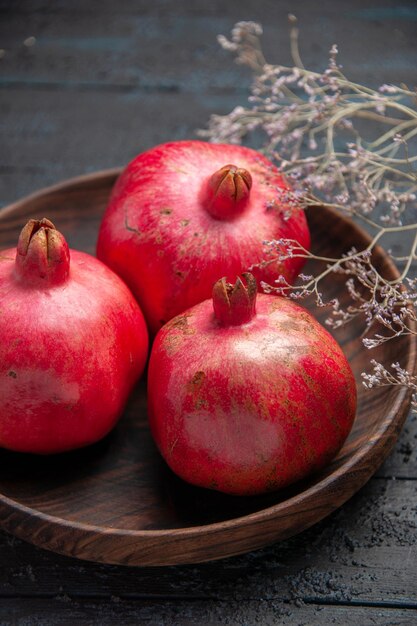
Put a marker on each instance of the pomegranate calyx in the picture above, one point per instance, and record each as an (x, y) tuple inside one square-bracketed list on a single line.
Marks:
[(227, 192), (42, 255), (235, 304)]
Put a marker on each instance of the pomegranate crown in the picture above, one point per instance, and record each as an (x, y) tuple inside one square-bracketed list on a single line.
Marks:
[(227, 192), (235, 304), (42, 255)]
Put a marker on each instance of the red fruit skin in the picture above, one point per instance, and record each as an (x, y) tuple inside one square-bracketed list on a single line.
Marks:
[(69, 355), (250, 408), (159, 237)]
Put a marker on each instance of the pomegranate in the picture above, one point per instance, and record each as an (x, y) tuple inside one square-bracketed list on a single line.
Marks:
[(250, 398), (184, 213), (73, 341)]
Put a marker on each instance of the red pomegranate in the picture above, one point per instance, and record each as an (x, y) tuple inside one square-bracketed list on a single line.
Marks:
[(250, 398), (73, 341), (184, 213)]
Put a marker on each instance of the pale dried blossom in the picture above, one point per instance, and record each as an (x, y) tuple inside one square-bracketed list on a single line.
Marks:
[(311, 125), (381, 377)]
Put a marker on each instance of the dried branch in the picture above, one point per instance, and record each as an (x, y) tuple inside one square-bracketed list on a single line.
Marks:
[(313, 125)]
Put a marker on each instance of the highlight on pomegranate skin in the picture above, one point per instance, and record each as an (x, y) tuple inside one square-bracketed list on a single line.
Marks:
[(184, 213), (247, 392), (73, 341)]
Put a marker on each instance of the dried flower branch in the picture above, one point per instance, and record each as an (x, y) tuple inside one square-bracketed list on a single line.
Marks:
[(398, 376), (346, 146)]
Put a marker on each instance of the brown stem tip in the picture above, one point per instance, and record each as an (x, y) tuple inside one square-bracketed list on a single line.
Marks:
[(235, 304), (42, 254), (227, 192)]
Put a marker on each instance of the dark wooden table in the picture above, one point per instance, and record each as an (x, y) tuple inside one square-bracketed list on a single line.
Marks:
[(86, 85)]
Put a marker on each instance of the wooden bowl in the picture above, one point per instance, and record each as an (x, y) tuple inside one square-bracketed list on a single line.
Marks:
[(117, 502)]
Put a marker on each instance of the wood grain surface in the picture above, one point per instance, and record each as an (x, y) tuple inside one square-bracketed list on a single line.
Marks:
[(103, 82)]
